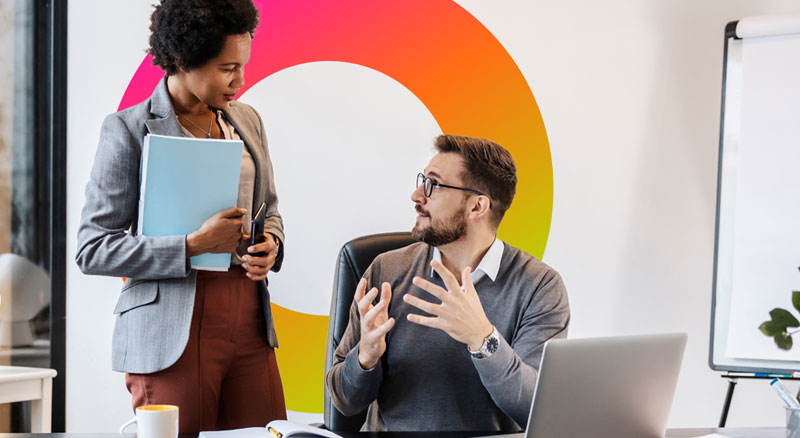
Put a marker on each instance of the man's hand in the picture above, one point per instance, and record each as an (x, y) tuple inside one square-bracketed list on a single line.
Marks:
[(460, 315), (375, 323), (258, 267), (220, 233)]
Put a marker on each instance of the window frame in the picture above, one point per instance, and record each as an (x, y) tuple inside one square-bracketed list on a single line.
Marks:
[(50, 142)]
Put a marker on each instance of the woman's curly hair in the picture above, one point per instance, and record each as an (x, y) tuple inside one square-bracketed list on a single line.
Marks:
[(185, 34)]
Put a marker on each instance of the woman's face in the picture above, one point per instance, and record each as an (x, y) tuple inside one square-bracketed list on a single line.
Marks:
[(217, 81)]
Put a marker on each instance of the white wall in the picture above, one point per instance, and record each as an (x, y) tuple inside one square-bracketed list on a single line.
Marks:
[(99, 48), (630, 95)]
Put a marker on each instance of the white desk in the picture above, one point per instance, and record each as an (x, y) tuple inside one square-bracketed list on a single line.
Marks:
[(34, 384)]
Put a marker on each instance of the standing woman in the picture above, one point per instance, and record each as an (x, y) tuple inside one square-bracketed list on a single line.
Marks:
[(201, 340)]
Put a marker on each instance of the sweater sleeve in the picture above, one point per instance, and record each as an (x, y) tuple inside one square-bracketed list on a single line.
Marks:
[(510, 373), (353, 388)]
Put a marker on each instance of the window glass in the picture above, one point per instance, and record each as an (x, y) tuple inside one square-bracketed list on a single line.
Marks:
[(24, 184)]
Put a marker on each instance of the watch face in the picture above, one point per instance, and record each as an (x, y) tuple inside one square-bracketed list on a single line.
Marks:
[(491, 344)]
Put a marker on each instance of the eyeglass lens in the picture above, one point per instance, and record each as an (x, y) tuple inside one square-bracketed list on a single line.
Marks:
[(427, 184)]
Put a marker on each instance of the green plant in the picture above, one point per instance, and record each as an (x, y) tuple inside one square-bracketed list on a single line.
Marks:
[(780, 321)]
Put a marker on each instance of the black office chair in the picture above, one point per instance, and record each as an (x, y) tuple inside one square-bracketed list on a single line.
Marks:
[(354, 258)]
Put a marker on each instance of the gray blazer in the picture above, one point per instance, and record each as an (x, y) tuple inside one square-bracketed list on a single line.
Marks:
[(154, 309)]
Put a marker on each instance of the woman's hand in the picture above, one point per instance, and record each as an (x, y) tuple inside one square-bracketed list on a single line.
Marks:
[(258, 267), (220, 233)]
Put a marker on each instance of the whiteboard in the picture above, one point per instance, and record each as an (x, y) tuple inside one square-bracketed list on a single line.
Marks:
[(757, 250)]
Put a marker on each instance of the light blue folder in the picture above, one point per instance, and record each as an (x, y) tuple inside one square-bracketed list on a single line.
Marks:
[(184, 182)]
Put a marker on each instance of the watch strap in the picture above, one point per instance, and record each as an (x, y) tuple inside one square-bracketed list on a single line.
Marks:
[(489, 346)]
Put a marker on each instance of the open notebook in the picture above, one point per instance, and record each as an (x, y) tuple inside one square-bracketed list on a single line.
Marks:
[(275, 429)]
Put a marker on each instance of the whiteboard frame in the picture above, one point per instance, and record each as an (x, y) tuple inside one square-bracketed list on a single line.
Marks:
[(739, 365)]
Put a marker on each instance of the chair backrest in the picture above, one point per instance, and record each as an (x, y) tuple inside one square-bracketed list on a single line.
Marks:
[(354, 258)]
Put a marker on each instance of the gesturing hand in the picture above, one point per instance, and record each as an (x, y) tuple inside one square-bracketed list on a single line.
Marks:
[(375, 323), (460, 315), (220, 233)]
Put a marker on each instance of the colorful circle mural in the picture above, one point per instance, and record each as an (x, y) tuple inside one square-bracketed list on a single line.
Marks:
[(452, 63)]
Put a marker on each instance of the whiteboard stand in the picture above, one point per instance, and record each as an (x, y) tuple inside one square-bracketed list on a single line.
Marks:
[(733, 379)]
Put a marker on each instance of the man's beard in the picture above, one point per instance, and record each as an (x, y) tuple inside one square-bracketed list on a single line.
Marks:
[(441, 231)]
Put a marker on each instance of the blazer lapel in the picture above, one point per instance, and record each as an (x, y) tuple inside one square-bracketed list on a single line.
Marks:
[(255, 151), (164, 126), (164, 121)]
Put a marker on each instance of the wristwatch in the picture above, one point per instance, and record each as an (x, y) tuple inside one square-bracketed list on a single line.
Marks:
[(490, 344)]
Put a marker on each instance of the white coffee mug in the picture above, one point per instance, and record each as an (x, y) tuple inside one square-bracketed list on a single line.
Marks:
[(154, 421)]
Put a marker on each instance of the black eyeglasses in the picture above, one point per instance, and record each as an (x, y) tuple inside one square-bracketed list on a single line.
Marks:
[(428, 185)]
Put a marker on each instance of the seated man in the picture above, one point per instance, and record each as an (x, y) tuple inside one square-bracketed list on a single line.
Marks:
[(447, 347)]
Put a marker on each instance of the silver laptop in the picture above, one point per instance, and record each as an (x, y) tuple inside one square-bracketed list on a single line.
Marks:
[(616, 387)]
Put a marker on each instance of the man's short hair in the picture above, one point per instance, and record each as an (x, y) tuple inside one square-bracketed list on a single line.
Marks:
[(488, 168)]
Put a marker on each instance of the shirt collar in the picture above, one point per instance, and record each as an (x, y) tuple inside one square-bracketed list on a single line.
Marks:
[(489, 264)]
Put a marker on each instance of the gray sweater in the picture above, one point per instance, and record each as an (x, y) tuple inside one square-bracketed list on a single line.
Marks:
[(426, 380)]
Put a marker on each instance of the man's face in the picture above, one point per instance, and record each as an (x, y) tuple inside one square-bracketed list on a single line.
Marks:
[(441, 218)]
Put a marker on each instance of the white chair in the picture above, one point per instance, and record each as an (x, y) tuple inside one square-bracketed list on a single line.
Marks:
[(24, 292), (34, 384)]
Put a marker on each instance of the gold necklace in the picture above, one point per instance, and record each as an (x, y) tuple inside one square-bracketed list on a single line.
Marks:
[(210, 123)]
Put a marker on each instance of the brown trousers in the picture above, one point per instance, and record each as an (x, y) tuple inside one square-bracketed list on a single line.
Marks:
[(227, 377)]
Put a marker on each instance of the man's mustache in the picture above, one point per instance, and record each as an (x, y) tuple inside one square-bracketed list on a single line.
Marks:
[(421, 211)]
